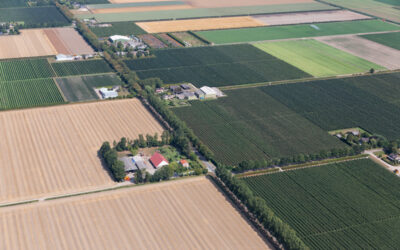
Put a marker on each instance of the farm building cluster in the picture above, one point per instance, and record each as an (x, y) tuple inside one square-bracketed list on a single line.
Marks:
[(106, 93), (189, 92), (128, 41)]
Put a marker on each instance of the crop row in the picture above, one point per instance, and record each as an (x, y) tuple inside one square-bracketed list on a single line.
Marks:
[(322, 203), (48, 16), (81, 67), (29, 93), (25, 69)]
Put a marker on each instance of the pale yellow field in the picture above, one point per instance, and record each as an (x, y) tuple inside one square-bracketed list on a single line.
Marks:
[(31, 42), (199, 24), (53, 150), (183, 214)]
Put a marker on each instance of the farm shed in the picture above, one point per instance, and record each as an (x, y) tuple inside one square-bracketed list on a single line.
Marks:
[(129, 164), (62, 57), (199, 94), (118, 38), (189, 95), (208, 92), (106, 93), (158, 160)]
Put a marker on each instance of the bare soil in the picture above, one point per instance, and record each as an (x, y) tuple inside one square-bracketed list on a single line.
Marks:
[(183, 214), (199, 24), (50, 151), (68, 41), (309, 17), (30, 43), (366, 49)]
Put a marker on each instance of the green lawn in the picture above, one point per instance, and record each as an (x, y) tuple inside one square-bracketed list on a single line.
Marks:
[(388, 39), (295, 31), (316, 58)]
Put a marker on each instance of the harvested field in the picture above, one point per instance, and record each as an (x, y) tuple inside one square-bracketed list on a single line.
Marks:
[(60, 144), (232, 3), (309, 17), (170, 41), (30, 43), (296, 31), (68, 41), (317, 58), (141, 9), (366, 49), (152, 41), (199, 24), (182, 214)]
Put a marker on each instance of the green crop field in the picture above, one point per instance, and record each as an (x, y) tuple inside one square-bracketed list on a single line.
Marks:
[(369, 102), (388, 39), (80, 88), (350, 205), (81, 67), (379, 8), (29, 93), (206, 12), (317, 58), (12, 70), (12, 3), (249, 124), (295, 31), (48, 16), (134, 4), (121, 28), (215, 66)]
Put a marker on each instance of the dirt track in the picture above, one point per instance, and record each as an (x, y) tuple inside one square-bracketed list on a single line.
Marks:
[(199, 24), (48, 151), (366, 49), (309, 17), (183, 214), (31, 42)]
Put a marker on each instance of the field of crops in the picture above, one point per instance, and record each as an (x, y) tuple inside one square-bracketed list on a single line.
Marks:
[(12, 3), (350, 205), (316, 58), (14, 70), (29, 93), (205, 12), (369, 102), (80, 88), (81, 67), (215, 66), (121, 28), (38, 16), (295, 31), (388, 39), (248, 124)]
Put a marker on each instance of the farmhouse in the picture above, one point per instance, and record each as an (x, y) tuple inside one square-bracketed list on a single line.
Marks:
[(184, 163), (158, 160)]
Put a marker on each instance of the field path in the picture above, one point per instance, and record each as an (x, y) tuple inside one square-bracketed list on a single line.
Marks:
[(366, 49)]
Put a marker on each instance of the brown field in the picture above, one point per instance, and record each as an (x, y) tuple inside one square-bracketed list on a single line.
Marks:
[(170, 41), (199, 24), (183, 214), (309, 17), (366, 49), (31, 42), (140, 9), (68, 41), (235, 3), (53, 150), (135, 1)]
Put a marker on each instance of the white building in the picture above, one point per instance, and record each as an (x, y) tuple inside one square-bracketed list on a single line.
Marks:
[(106, 93), (208, 92), (118, 38), (62, 57)]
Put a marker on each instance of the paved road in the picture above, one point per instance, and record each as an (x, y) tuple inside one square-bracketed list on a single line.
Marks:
[(209, 165)]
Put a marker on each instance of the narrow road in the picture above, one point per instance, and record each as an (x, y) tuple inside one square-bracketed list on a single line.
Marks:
[(209, 165), (381, 162)]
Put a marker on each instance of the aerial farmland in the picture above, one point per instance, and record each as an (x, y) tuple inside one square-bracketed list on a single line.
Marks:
[(199, 124)]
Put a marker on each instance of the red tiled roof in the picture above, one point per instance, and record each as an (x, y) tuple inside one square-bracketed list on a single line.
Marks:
[(183, 161), (157, 158)]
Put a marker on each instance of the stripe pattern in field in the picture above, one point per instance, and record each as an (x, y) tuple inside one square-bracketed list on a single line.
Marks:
[(68, 41), (54, 150), (366, 49), (182, 214), (199, 24), (391, 39), (317, 58)]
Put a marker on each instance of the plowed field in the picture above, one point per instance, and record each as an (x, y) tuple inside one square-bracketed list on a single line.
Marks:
[(54, 150), (184, 214), (199, 24), (68, 41)]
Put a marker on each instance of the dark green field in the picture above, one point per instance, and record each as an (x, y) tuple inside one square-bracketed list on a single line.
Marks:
[(388, 39), (370, 102), (29, 93), (251, 125), (351, 205), (81, 68), (34, 17), (12, 70), (215, 66), (80, 88), (121, 28), (12, 3)]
